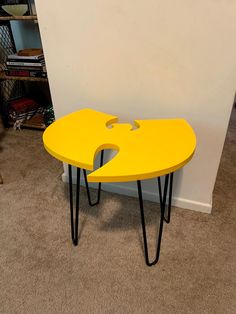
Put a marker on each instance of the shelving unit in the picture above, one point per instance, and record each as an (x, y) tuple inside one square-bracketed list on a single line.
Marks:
[(20, 18), (13, 84)]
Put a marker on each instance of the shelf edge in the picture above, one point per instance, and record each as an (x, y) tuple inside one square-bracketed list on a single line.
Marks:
[(22, 17)]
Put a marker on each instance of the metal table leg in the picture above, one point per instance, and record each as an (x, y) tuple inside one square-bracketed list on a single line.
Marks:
[(74, 216), (99, 184), (162, 217), (74, 220)]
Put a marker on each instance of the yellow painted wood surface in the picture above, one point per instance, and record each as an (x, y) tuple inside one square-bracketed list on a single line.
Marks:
[(154, 148)]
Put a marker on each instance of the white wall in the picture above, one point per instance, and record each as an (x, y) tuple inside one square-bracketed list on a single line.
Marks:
[(148, 59)]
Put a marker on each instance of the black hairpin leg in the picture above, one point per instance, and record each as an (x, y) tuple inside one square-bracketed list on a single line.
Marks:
[(99, 184), (166, 219), (162, 205), (74, 217)]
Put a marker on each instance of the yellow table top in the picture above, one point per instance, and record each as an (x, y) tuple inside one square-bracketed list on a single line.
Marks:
[(155, 148)]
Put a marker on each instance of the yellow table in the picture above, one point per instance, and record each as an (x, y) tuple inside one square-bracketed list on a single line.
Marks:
[(152, 148)]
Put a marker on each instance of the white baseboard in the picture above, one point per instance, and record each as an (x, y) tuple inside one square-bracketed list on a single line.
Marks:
[(147, 195)]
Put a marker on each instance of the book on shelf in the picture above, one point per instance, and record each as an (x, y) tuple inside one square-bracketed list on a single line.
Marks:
[(38, 68), (30, 64), (26, 73), (15, 56), (25, 60)]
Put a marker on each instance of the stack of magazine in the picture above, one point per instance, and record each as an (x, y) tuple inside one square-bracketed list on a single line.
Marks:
[(26, 66)]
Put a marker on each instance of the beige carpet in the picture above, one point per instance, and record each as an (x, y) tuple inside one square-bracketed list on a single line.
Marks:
[(41, 272)]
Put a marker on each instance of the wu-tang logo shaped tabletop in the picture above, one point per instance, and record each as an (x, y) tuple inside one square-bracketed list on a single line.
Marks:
[(153, 149)]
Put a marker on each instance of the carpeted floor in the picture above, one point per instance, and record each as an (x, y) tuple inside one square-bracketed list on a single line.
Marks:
[(41, 272)]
